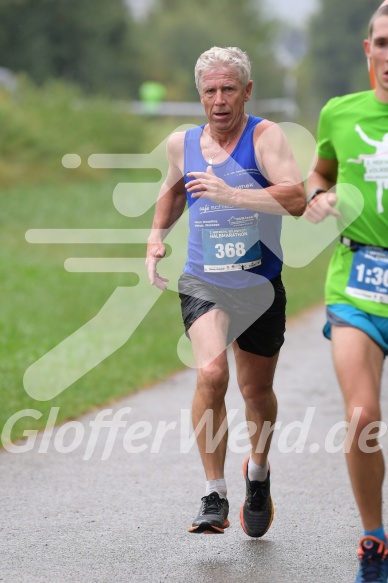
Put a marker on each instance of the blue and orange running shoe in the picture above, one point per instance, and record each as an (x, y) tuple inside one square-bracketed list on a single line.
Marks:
[(213, 515), (257, 512), (372, 554)]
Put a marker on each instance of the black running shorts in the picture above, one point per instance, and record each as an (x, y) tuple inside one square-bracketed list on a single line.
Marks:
[(257, 314)]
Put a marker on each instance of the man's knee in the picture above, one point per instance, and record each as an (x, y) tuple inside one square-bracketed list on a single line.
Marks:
[(257, 396), (213, 381), (364, 421)]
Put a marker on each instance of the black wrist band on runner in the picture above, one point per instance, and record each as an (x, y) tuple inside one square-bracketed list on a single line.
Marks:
[(315, 193)]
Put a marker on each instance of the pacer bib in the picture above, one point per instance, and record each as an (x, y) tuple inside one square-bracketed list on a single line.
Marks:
[(369, 275), (231, 249)]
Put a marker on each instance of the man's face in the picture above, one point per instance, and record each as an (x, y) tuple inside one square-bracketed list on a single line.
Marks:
[(223, 97), (376, 49)]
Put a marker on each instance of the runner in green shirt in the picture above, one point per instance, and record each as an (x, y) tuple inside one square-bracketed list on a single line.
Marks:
[(353, 150)]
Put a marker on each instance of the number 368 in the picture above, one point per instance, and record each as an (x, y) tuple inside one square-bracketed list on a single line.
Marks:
[(230, 250)]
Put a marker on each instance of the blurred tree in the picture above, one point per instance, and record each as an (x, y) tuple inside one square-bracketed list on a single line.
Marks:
[(88, 43), (336, 63), (99, 46), (176, 32)]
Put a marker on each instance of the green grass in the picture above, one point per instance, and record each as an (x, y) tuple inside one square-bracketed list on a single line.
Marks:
[(45, 303), (305, 285), (40, 125), (42, 302)]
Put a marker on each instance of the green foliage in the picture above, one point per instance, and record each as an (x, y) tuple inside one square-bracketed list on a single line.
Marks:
[(176, 33), (336, 63), (99, 47), (83, 42), (42, 124)]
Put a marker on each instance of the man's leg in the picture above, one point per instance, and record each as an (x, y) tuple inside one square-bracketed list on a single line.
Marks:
[(208, 337), (358, 362), (255, 378)]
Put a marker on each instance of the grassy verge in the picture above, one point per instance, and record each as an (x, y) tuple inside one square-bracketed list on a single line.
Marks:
[(305, 285), (45, 303)]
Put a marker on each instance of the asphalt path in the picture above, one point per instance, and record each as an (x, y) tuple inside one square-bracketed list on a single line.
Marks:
[(70, 516)]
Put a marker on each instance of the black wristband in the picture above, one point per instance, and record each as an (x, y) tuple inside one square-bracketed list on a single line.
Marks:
[(315, 193)]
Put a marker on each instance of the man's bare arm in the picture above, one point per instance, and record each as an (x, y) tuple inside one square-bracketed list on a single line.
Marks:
[(169, 207), (324, 176)]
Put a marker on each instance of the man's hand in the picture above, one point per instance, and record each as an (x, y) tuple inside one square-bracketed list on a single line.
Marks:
[(322, 207), (155, 252), (207, 184)]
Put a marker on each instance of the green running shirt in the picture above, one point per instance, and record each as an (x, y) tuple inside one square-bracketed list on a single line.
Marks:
[(353, 130)]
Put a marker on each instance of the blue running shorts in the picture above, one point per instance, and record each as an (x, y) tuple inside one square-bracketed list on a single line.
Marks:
[(375, 327)]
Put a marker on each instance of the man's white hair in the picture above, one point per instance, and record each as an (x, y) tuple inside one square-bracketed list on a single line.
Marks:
[(229, 57)]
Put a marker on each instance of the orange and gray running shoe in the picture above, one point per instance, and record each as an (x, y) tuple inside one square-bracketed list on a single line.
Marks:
[(213, 515), (257, 512)]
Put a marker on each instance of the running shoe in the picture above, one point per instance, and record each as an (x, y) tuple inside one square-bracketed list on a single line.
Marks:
[(372, 554), (213, 515), (257, 512)]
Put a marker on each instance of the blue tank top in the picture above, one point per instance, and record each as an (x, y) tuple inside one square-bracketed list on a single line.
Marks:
[(230, 246)]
